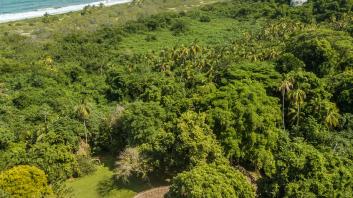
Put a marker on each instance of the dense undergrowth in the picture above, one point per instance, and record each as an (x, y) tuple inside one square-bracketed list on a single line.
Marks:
[(253, 84)]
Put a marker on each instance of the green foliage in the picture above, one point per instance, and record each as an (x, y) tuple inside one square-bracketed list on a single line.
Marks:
[(319, 50), (288, 62), (205, 19), (150, 38), (305, 171), (25, 181), (86, 165), (61, 190), (244, 119), (329, 9), (56, 160), (211, 181), (130, 164), (195, 143), (179, 27), (139, 123), (342, 89), (177, 91)]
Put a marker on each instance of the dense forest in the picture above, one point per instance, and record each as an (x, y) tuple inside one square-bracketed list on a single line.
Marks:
[(241, 98)]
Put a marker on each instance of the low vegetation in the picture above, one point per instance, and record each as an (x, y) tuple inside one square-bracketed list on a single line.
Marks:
[(237, 98)]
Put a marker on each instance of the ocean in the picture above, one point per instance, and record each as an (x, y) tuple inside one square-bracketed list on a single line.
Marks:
[(12, 10)]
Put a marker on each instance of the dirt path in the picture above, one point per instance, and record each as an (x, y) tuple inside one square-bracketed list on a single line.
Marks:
[(154, 192)]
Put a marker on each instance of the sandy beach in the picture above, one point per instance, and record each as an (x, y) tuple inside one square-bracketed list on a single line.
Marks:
[(53, 11)]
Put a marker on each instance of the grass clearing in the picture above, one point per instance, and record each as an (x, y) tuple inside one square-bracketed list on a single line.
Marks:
[(86, 187), (217, 31), (101, 181)]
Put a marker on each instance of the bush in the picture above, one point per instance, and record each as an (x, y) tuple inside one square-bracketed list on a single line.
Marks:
[(86, 10), (85, 165), (205, 19), (182, 13), (152, 24), (130, 164), (288, 62), (208, 8), (135, 27), (48, 18), (24, 181), (179, 27), (150, 38), (211, 181), (45, 18)]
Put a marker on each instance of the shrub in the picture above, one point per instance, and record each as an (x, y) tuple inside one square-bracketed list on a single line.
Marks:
[(152, 24), (25, 181), (85, 165), (288, 62), (179, 27), (150, 38), (205, 19), (86, 10), (134, 27), (182, 13), (130, 164), (208, 8), (45, 18)]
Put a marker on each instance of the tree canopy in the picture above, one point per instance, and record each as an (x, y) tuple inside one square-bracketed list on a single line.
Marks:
[(200, 98)]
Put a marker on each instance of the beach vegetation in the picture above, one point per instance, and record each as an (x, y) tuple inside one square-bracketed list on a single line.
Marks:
[(218, 99)]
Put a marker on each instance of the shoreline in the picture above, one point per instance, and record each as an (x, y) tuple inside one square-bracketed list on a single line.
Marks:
[(11, 17)]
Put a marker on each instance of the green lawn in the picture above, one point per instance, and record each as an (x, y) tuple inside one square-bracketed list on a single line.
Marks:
[(86, 187)]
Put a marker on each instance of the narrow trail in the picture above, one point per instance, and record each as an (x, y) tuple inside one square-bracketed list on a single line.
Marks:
[(153, 193)]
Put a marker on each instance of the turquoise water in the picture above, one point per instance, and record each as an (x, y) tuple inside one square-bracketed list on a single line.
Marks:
[(18, 6)]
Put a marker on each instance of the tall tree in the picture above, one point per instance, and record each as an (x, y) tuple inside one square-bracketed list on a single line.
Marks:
[(332, 117), (2, 89), (285, 87), (297, 96), (83, 112)]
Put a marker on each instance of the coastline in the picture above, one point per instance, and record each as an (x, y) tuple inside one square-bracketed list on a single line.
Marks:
[(4, 18)]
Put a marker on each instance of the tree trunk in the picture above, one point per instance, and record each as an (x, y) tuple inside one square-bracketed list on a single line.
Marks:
[(84, 124), (284, 124), (298, 114)]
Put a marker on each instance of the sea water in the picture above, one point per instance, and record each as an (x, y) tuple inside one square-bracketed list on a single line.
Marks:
[(11, 10)]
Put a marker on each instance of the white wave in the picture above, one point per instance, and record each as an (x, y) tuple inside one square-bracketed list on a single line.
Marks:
[(52, 11)]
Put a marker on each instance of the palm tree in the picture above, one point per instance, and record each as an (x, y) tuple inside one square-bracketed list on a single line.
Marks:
[(2, 89), (83, 112), (297, 96), (318, 102), (332, 117), (285, 87), (293, 114)]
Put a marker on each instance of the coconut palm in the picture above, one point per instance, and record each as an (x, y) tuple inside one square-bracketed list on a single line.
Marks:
[(317, 102), (332, 117), (293, 114), (297, 96), (83, 112), (285, 87), (2, 89)]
